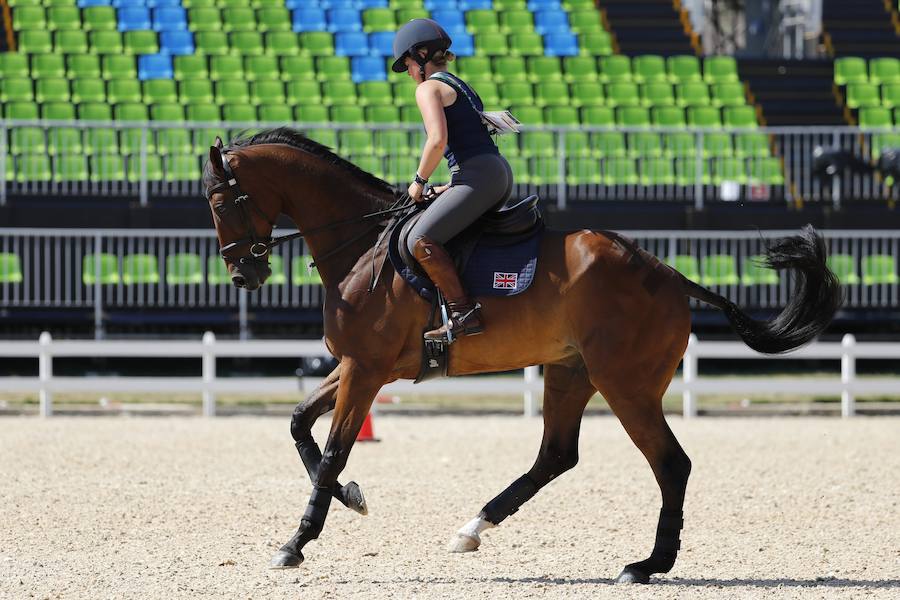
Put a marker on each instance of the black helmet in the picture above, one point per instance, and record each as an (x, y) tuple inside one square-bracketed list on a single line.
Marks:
[(415, 34)]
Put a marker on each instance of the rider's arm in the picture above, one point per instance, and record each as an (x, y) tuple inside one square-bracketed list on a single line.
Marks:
[(428, 97)]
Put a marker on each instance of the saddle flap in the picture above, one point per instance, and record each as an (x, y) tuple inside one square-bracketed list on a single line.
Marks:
[(516, 218)]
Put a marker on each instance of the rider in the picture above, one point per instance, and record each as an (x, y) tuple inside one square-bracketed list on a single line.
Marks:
[(481, 179)]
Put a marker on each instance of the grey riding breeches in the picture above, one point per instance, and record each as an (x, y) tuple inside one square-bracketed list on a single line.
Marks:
[(481, 183)]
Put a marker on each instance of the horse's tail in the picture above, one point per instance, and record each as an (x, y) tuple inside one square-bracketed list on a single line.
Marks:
[(817, 296)]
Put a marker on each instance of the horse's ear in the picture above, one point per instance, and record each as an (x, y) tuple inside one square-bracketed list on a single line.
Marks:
[(215, 160), (219, 143)]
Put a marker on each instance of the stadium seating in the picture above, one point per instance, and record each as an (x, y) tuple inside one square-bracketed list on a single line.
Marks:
[(239, 60)]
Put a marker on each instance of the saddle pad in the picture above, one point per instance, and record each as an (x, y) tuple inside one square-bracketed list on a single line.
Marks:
[(491, 270)]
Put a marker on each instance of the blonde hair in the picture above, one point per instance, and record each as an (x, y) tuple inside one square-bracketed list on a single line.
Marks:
[(442, 57)]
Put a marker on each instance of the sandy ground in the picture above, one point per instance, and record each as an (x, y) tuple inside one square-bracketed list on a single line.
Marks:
[(187, 508)]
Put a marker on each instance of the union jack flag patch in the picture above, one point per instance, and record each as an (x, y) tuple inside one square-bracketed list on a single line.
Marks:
[(505, 281)]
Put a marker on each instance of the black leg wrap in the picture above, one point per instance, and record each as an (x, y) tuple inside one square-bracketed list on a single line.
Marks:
[(316, 511), (665, 550), (309, 454), (509, 500)]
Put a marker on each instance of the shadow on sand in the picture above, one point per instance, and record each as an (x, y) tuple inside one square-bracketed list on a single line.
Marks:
[(826, 582)]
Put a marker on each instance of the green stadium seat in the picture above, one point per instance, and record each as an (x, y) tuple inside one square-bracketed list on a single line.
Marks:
[(217, 271), (274, 19), (587, 93), (27, 140), (544, 69), (195, 91), (704, 116), (71, 42), (62, 140), (99, 18), (880, 141), (302, 273), (622, 93), (686, 171), (334, 68), (583, 171), (585, 21), (884, 71), (184, 269), (52, 89), (729, 169), (537, 143), (119, 91), (338, 93), (668, 116), (297, 68), (850, 69), (544, 170), (47, 65), (740, 116), (509, 147), (694, 93), (10, 268), (487, 91), (70, 167), (107, 167), (657, 171), (304, 92), (282, 43), (261, 68), (766, 170), (106, 43), (275, 113), (508, 69), (577, 144), (562, 116), (211, 43), (528, 114), (311, 114), (347, 114), (317, 43), (239, 113), (844, 268), (680, 145), (477, 67), (182, 167), (658, 93), (601, 116), (83, 66), (204, 19), (615, 68), (374, 93), (276, 265), (391, 142), (553, 93), (649, 68), (35, 41), (379, 19), (372, 164), (633, 116), (597, 43), (16, 89), (720, 69), (232, 91), (398, 168), (100, 268), (247, 43), (88, 90), (644, 144), (355, 141), (719, 269), (687, 265), (29, 18), (526, 44), (190, 67), (747, 145), (728, 94), (516, 91), (875, 118), (226, 68), (619, 171), (116, 66), (578, 69), (382, 114), (717, 145), (863, 94), (879, 269), (755, 272), (140, 268), (141, 42), (408, 14), (267, 92), (33, 167), (514, 20), (13, 64), (890, 95), (684, 69), (477, 22), (154, 168), (160, 90), (491, 44), (239, 19)]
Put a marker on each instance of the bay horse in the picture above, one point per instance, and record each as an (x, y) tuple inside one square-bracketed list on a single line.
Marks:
[(602, 315)]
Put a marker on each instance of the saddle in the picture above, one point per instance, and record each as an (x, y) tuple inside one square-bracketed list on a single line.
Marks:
[(495, 256)]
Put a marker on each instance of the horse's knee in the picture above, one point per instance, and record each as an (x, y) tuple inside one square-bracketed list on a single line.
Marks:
[(301, 424)]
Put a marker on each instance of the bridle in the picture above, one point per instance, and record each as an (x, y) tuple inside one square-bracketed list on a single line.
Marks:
[(260, 246)]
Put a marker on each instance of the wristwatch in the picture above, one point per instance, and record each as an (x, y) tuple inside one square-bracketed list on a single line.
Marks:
[(420, 180)]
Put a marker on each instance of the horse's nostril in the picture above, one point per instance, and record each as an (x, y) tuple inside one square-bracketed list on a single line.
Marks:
[(238, 281)]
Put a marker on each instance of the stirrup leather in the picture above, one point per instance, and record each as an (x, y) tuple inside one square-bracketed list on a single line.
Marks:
[(463, 320)]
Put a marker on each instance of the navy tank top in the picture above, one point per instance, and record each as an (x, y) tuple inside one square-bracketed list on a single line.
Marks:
[(466, 134)]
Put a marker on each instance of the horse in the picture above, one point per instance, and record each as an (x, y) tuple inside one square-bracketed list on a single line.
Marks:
[(602, 315)]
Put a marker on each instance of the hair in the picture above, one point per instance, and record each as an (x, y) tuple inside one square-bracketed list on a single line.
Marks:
[(442, 57)]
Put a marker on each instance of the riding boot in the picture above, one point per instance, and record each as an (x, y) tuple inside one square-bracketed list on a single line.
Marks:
[(465, 314)]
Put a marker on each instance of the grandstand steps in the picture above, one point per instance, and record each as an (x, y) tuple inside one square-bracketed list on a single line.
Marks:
[(793, 92), (648, 27), (867, 28)]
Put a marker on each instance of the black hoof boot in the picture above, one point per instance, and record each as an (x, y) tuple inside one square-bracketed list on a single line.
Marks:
[(632, 574), (285, 560), (353, 498)]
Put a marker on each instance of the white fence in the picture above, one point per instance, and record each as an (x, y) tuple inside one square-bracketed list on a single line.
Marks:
[(691, 384)]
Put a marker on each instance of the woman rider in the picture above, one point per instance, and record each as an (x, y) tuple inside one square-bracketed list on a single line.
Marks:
[(481, 179)]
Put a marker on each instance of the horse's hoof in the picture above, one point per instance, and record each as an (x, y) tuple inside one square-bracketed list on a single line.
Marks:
[(355, 499), (632, 575), (285, 560), (462, 542)]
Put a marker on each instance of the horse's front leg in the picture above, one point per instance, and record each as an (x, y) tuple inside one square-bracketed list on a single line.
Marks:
[(357, 387), (305, 415)]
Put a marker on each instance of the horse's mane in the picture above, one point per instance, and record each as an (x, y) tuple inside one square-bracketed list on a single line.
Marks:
[(296, 139)]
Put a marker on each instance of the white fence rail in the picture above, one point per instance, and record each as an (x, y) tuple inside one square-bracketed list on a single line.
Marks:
[(691, 385)]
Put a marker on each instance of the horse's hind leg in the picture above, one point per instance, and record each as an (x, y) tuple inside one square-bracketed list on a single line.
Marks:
[(305, 415), (566, 392)]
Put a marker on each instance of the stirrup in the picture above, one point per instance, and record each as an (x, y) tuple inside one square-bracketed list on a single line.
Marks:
[(457, 326)]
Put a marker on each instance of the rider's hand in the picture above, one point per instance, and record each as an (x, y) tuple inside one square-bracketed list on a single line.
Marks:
[(439, 189), (415, 191)]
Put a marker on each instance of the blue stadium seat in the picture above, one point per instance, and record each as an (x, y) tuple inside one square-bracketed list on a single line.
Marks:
[(332, 4), (451, 20), (162, 3), (344, 19), (176, 42), (367, 68), (551, 21), (155, 66), (433, 5), (381, 43), (463, 45), (309, 19), (475, 4), (132, 19), (561, 44), (364, 4), (127, 3), (351, 43), (89, 3), (536, 5), (169, 19)]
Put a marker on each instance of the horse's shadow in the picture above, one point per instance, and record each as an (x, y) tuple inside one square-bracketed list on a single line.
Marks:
[(724, 583)]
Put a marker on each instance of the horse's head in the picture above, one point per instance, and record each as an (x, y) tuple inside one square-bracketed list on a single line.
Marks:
[(241, 214)]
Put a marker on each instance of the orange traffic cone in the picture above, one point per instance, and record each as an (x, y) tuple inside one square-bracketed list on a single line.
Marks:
[(366, 432)]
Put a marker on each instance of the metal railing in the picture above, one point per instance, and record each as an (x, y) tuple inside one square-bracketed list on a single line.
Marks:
[(60, 269), (158, 159)]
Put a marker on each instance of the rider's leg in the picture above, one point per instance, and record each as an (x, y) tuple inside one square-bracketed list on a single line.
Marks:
[(465, 313)]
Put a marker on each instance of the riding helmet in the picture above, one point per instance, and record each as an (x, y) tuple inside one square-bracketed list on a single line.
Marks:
[(418, 33)]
